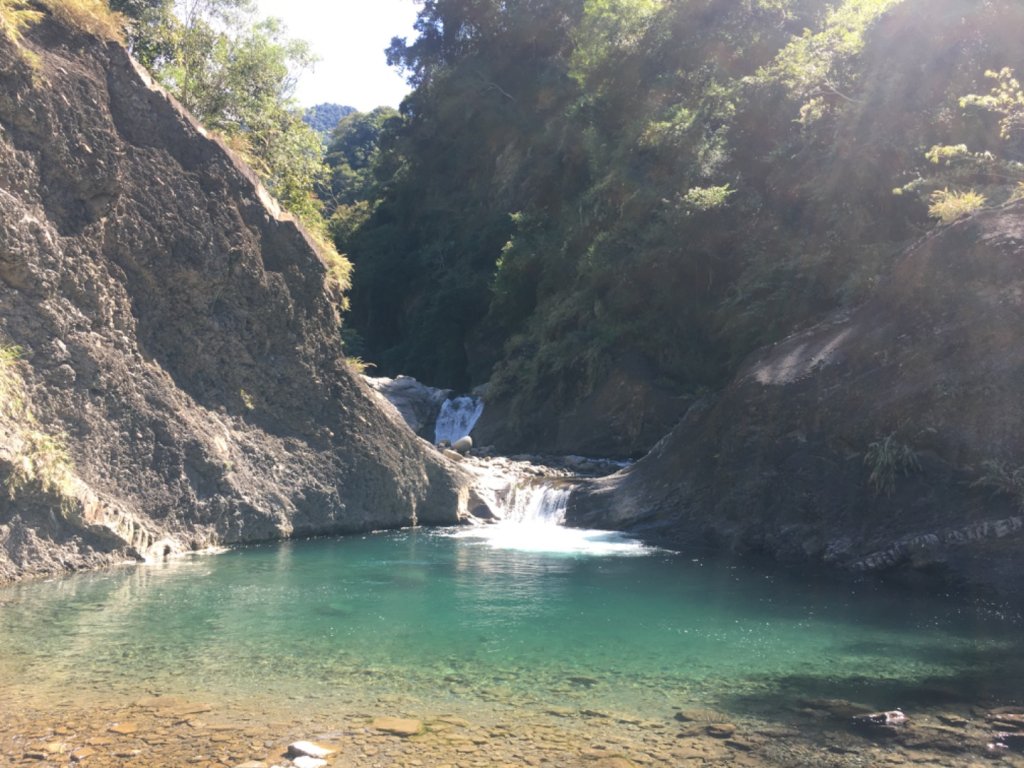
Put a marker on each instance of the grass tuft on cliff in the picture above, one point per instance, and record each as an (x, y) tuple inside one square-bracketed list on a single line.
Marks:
[(92, 16), (38, 460), (16, 15)]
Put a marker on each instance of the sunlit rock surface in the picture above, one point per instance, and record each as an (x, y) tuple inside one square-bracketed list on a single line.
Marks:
[(176, 333), (887, 439)]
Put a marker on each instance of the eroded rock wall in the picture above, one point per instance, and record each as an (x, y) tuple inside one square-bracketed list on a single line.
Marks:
[(889, 439), (176, 332)]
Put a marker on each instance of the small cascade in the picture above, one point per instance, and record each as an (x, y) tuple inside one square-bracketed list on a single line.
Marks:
[(537, 503), (529, 501), (457, 418)]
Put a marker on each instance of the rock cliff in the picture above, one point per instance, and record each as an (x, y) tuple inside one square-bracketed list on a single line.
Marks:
[(169, 342), (889, 439)]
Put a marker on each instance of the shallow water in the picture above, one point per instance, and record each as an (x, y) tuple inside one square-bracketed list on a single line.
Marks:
[(495, 623)]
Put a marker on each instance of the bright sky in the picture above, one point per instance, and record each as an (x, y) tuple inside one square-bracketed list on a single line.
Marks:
[(350, 37)]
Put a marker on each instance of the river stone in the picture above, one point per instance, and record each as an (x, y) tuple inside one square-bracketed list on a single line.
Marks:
[(397, 726), (309, 749), (82, 754), (700, 716), (720, 730), (252, 764), (124, 729), (305, 761)]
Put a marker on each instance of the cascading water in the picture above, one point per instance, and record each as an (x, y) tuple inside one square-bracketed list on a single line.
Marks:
[(457, 418), (536, 504), (530, 503)]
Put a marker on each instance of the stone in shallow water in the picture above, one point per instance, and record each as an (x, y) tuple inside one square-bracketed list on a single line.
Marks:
[(397, 726), (309, 749), (721, 730), (124, 729), (82, 754), (252, 764), (700, 716), (305, 761)]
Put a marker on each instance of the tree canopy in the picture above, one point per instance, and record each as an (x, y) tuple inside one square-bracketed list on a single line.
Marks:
[(573, 181)]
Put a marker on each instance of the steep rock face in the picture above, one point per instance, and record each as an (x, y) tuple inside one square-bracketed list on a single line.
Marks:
[(886, 439), (175, 332)]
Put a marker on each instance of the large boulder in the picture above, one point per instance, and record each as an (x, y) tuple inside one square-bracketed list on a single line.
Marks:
[(890, 438), (417, 404), (172, 336)]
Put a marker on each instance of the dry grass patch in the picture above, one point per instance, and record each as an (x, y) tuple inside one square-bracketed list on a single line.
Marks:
[(92, 16)]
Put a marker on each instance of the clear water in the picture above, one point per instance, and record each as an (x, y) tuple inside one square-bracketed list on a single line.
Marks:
[(514, 619)]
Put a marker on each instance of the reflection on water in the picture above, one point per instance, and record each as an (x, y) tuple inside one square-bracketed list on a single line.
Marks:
[(507, 617)]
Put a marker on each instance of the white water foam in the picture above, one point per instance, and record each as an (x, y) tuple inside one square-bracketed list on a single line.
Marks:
[(532, 512), (457, 418), (554, 540)]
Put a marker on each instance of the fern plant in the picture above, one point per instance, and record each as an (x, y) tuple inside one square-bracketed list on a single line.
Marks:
[(887, 458)]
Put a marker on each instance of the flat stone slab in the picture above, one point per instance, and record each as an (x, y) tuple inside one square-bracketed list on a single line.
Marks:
[(397, 726), (124, 729), (305, 761)]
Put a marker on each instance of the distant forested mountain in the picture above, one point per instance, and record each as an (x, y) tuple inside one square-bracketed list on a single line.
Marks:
[(322, 118), (581, 196)]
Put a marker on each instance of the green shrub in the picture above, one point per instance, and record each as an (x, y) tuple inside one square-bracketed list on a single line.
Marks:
[(1003, 478), (887, 458)]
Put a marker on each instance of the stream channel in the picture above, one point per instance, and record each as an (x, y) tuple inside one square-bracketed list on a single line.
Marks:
[(516, 643)]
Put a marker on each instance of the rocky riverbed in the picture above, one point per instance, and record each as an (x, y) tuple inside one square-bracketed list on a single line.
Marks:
[(382, 732)]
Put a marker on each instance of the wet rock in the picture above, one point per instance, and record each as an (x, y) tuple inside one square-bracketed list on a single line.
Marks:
[(463, 445), (309, 749), (305, 761), (82, 754), (892, 717), (700, 716), (720, 730), (124, 729), (954, 720), (1011, 741), (397, 726), (839, 709), (1006, 721)]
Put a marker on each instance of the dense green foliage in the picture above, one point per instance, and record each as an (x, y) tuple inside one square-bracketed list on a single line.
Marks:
[(237, 74), (323, 118), (577, 182)]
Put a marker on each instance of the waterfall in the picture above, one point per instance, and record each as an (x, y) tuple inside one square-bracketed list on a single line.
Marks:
[(457, 417), (536, 504), (529, 501)]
